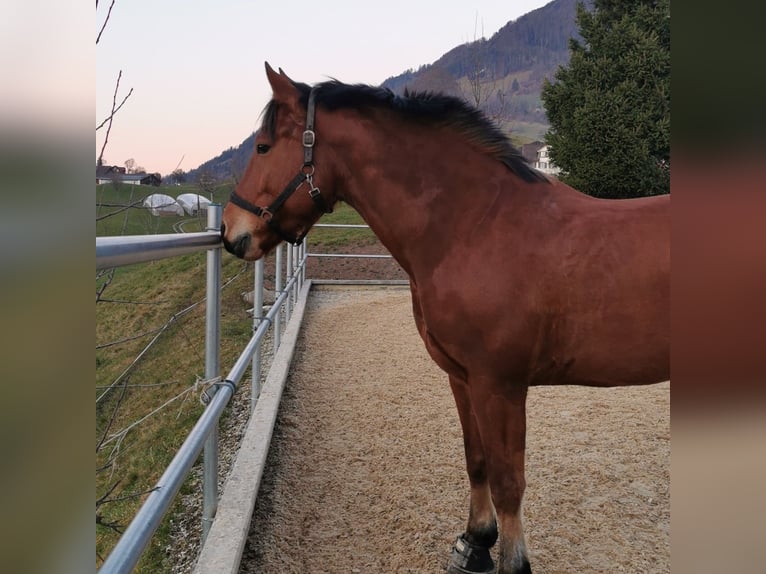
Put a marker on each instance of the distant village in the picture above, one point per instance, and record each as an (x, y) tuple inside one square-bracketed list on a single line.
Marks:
[(158, 204), (118, 174)]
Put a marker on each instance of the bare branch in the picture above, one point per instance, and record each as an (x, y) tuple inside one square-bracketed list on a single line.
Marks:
[(127, 496), (135, 204), (114, 111), (111, 115), (105, 497), (114, 414), (109, 13), (105, 284), (158, 302), (114, 525)]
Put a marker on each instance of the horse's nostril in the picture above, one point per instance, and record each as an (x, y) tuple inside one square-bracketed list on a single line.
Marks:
[(239, 246), (242, 244), (223, 229)]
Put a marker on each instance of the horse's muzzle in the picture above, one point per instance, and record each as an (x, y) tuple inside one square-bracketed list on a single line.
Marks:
[(237, 247)]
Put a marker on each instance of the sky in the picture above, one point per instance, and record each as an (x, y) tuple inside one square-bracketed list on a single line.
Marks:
[(197, 67)]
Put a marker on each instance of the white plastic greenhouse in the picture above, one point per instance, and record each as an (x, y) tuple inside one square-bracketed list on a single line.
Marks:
[(161, 204), (193, 202)]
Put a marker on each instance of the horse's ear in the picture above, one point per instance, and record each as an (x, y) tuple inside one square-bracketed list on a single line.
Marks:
[(283, 87)]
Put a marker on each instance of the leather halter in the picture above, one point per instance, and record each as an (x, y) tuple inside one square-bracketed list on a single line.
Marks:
[(306, 174)]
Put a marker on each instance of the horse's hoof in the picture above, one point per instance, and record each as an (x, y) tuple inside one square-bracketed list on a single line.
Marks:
[(468, 558)]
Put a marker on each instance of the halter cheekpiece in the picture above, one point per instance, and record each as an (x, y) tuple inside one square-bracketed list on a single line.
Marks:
[(306, 174)]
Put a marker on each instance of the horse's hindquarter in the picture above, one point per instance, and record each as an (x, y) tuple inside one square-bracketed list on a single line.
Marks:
[(576, 294)]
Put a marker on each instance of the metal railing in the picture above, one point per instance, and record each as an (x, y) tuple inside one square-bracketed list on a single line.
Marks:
[(119, 251), (203, 437), (347, 255)]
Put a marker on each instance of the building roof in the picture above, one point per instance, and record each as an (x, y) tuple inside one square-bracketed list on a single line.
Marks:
[(529, 151), (109, 170)]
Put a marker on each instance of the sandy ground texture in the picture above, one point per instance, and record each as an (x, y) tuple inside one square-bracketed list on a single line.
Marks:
[(366, 470)]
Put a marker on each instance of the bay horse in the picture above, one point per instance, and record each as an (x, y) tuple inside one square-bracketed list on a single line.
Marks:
[(516, 279)]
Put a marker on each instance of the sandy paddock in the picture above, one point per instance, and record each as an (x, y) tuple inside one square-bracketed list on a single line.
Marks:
[(366, 469)]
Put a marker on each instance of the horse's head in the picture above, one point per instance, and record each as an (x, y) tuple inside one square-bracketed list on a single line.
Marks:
[(279, 196)]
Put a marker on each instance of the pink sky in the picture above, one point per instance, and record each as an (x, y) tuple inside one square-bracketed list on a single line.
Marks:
[(196, 68)]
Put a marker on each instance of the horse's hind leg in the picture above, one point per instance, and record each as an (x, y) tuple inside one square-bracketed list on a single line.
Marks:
[(471, 550), (501, 419)]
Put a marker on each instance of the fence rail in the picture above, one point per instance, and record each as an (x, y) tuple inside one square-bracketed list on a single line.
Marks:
[(126, 250)]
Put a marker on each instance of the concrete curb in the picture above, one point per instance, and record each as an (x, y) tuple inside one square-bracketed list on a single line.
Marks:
[(222, 551)]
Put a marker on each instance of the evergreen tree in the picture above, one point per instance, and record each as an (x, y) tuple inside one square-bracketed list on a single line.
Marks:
[(609, 110)]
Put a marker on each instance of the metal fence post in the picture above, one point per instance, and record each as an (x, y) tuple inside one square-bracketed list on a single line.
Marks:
[(298, 283), (212, 370), (255, 387), (288, 274), (296, 263), (277, 292)]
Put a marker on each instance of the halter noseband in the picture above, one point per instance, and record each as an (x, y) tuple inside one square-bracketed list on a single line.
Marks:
[(306, 174)]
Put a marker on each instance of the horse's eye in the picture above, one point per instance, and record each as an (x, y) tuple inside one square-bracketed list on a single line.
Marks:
[(262, 148)]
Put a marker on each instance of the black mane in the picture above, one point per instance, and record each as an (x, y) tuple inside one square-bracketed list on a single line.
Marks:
[(429, 107)]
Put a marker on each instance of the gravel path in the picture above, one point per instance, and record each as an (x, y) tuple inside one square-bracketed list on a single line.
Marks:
[(366, 470)]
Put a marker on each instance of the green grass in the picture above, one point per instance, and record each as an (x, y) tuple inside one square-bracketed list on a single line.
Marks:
[(337, 238), (157, 291), (525, 132), (136, 220), (141, 299), (139, 221)]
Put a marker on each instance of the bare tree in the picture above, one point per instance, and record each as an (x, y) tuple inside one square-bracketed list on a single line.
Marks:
[(115, 108), (178, 176), (116, 179), (106, 20), (206, 182), (483, 89)]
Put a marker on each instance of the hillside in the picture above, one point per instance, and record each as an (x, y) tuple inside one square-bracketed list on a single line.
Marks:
[(227, 166), (529, 48), (502, 75)]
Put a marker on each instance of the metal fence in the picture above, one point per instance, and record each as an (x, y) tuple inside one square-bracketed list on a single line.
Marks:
[(126, 250), (290, 275)]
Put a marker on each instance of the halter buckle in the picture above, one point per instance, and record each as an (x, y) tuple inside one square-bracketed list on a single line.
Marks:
[(309, 138)]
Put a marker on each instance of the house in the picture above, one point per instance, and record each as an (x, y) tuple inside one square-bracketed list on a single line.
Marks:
[(537, 155), (529, 151), (108, 173), (543, 161), (116, 174), (154, 179)]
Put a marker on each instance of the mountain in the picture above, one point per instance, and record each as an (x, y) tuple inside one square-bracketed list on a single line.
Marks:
[(502, 75), (228, 165), (531, 47)]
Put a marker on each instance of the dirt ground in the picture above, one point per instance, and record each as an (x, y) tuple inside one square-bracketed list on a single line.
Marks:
[(366, 470)]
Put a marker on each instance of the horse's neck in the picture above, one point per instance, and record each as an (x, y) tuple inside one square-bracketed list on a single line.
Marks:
[(416, 194)]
